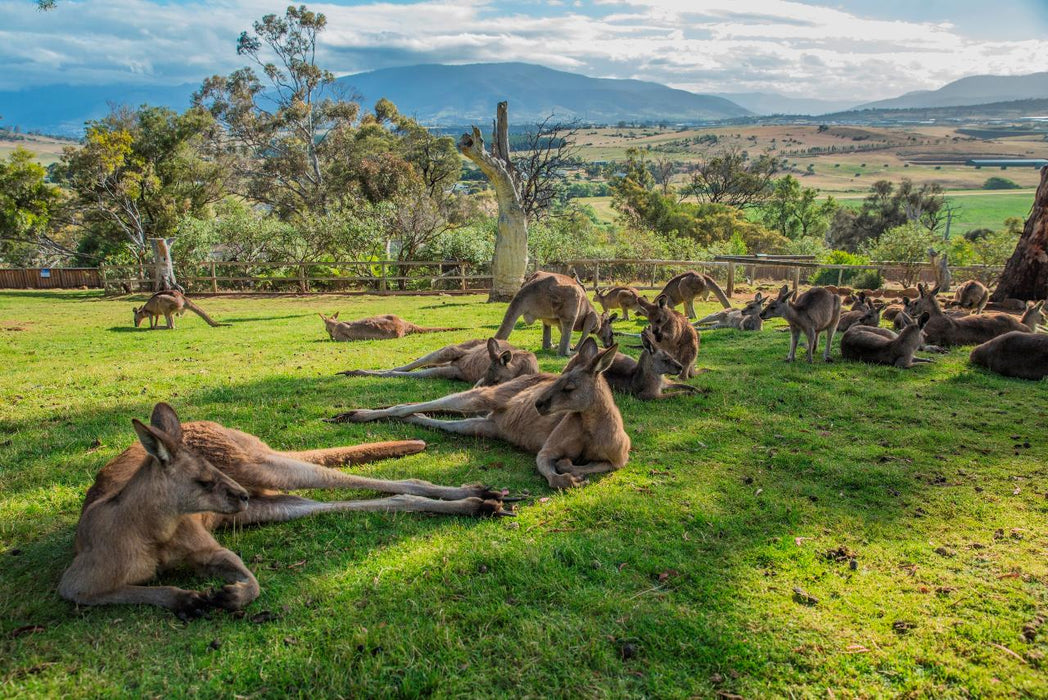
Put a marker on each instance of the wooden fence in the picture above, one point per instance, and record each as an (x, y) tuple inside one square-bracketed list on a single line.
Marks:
[(50, 278)]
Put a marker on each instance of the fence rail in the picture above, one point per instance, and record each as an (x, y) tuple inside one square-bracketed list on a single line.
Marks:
[(458, 276)]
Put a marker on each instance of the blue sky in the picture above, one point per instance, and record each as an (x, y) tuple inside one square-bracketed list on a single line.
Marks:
[(845, 49)]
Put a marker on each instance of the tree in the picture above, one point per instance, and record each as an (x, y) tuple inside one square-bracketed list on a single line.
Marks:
[(1025, 275), (886, 207), (731, 177), (27, 206), (540, 162), (907, 244), (795, 212)]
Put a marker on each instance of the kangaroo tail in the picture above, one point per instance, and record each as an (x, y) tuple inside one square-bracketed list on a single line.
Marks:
[(509, 320), (200, 312), (712, 284), (359, 454), (426, 329)]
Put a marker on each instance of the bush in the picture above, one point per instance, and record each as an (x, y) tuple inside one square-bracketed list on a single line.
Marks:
[(867, 279), (1001, 183), (839, 257)]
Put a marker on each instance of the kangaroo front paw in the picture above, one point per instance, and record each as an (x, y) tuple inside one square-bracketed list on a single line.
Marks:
[(233, 596), (191, 605)]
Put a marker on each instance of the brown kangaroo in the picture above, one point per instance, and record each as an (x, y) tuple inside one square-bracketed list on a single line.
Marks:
[(683, 288), (869, 314), (153, 508), (479, 362), (813, 312), (556, 300), (963, 330), (972, 295), (643, 377), (570, 421), (672, 332), (884, 347), (383, 327), (624, 298), (1014, 354), (168, 304), (748, 318), (1033, 317)]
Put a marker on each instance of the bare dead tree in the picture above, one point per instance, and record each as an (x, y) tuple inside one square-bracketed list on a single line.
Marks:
[(547, 151)]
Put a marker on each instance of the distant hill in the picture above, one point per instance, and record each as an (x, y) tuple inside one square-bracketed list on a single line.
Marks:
[(456, 95), (765, 103), (1015, 109), (973, 90)]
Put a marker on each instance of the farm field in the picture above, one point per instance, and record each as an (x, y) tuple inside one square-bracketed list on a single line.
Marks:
[(907, 507), (48, 150)]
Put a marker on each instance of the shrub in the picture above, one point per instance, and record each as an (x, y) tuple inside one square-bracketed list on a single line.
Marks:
[(1001, 183), (839, 257), (867, 279)]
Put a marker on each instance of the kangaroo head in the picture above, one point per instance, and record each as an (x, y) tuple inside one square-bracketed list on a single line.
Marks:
[(926, 301), (755, 306), (1034, 315), (604, 332), (661, 361), (778, 305), (660, 315), (501, 367), (577, 387), (191, 483), (330, 323), (140, 313)]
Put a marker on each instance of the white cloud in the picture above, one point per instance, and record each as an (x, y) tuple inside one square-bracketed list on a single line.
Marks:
[(799, 48)]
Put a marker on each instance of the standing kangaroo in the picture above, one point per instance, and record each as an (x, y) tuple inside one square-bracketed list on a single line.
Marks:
[(672, 332), (624, 298), (683, 288), (384, 327), (569, 421), (748, 318), (813, 312), (972, 295), (153, 508), (884, 347), (642, 377), (963, 330), (168, 304), (1014, 354), (479, 362), (556, 300)]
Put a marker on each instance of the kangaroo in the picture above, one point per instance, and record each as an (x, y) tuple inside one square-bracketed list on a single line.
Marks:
[(672, 332), (385, 327), (1014, 354), (683, 288), (868, 315), (624, 298), (748, 318), (153, 508), (972, 295), (642, 377), (1033, 317), (964, 330), (168, 304), (479, 362), (556, 300), (569, 421), (813, 312), (884, 347)]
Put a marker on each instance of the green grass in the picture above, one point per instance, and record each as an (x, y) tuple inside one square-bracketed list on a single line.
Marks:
[(687, 558)]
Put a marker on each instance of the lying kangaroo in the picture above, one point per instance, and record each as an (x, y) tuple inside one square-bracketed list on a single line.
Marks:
[(384, 327), (153, 508), (813, 312), (884, 347), (972, 295), (556, 300), (748, 318), (624, 298), (672, 332), (479, 362), (963, 330), (570, 421), (643, 377), (1014, 354), (683, 288), (869, 314), (168, 304)]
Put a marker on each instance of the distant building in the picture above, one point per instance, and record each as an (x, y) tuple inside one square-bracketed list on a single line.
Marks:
[(1008, 162)]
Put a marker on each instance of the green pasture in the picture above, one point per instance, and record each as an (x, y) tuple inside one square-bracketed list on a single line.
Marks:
[(792, 531)]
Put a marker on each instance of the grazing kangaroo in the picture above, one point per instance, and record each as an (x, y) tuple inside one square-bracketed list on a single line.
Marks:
[(683, 288), (672, 332), (385, 327), (1014, 354), (153, 508), (570, 421), (813, 312), (964, 330), (556, 300), (623, 298), (869, 314), (972, 295), (643, 377), (748, 318), (884, 347), (479, 362), (168, 304)]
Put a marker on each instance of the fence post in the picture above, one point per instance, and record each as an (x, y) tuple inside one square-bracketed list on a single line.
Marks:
[(840, 276), (596, 274), (654, 269), (796, 278), (214, 280), (303, 284), (462, 275), (102, 276), (382, 278), (731, 279)]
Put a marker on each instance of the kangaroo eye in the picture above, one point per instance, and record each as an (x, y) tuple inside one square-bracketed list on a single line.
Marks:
[(205, 484)]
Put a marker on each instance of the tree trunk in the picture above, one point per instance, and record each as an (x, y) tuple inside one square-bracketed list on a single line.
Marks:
[(1025, 275), (510, 261), (163, 269)]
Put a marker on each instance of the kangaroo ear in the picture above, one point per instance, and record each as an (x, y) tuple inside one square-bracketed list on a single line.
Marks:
[(602, 361), (784, 292), (165, 419), (334, 315), (588, 350), (791, 295), (759, 298), (934, 291), (493, 348), (322, 316), (662, 301), (505, 357), (923, 320), (157, 443)]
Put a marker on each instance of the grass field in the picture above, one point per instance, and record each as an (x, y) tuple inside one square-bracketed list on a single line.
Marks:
[(674, 577)]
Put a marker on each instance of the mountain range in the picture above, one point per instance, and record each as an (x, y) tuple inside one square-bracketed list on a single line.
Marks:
[(973, 90)]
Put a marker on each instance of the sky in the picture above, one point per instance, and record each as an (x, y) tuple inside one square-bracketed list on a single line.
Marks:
[(845, 49)]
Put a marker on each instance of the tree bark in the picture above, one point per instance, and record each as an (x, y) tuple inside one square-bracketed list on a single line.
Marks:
[(510, 261), (1025, 274), (163, 268)]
